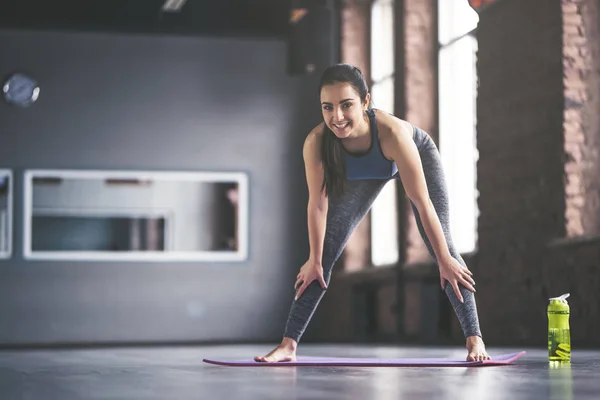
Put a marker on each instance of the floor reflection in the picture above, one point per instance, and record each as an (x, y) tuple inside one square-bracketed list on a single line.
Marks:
[(159, 373)]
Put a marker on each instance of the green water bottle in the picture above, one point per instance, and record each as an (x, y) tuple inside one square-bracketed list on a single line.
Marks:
[(559, 333)]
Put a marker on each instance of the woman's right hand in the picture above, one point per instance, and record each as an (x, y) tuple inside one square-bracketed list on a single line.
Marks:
[(309, 272)]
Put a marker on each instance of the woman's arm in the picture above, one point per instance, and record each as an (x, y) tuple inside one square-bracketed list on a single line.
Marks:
[(403, 151), (317, 216), (317, 199)]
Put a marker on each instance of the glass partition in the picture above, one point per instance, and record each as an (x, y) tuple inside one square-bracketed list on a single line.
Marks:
[(6, 213), (135, 215)]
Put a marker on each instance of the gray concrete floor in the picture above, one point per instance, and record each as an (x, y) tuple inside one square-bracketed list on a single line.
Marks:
[(179, 373)]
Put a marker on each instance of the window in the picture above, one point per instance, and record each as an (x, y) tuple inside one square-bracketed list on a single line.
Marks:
[(384, 213), (457, 118), (115, 215), (6, 213)]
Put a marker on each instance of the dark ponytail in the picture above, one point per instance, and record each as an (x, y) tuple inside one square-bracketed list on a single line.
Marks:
[(332, 153), (334, 164)]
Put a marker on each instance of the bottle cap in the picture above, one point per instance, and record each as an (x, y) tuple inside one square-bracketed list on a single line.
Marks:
[(561, 299)]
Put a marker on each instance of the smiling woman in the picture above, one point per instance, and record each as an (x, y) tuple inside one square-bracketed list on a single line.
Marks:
[(344, 131), (349, 158)]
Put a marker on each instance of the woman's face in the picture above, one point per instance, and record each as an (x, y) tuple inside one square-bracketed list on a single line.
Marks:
[(342, 109)]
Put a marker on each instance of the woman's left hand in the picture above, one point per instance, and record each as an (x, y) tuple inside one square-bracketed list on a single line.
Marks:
[(454, 273)]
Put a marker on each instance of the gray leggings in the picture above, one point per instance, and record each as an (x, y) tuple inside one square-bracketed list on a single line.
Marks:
[(346, 213)]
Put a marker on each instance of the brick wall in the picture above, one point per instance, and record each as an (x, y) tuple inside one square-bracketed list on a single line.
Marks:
[(355, 50), (534, 132), (582, 102), (420, 95), (520, 139), (573, 263)]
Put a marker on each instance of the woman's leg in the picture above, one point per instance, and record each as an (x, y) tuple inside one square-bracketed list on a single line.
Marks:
[(343, 217), (438, 192)]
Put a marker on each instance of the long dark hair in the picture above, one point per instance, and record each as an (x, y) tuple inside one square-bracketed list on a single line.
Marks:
[(332, 153)]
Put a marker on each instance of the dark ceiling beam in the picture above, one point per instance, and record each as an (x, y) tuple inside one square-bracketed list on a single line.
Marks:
[(193, 17)]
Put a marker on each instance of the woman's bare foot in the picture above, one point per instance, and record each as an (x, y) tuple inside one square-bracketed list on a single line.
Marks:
[(476, 349), (285, 352)]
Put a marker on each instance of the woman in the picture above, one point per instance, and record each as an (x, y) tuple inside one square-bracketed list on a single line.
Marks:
[(349, 157)]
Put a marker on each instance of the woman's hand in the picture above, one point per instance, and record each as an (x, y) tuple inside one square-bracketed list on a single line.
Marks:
[(308, 273), (453, 272)]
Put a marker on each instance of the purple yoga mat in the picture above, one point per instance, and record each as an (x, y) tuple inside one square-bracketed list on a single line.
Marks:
[(502, 359)]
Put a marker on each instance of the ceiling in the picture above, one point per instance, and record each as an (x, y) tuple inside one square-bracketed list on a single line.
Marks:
[(196, 17)]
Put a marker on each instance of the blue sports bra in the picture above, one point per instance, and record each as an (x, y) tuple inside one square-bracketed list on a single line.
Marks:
[(371, 164)]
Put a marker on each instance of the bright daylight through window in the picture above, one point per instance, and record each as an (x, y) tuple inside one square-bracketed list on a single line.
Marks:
[(457, 113), (384, 213), (457, 122)]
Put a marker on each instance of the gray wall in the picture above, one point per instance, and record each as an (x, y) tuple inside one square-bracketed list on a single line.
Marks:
[(159, 103)]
